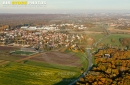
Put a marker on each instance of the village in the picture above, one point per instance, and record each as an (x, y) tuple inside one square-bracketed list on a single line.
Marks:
[(43, 38)]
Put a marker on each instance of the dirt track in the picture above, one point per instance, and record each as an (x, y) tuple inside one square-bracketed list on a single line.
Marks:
[(26, 58)]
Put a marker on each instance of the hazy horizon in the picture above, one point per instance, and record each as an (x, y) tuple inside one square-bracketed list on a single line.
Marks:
[(70, 7)]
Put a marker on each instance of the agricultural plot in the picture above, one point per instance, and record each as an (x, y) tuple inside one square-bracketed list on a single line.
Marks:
[(3, 63), (49, 68), (25, 74), (58, 58), (4, 53), (19, 52)]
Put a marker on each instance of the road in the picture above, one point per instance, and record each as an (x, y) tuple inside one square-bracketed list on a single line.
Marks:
[(89, 56), (90, 64), (101, 39)]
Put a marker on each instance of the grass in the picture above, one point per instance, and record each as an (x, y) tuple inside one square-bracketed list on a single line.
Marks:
[(25, 74), (82, 58), (116, 38), (38, 73), (33, 72), (6, 56), (55, 66), (96, 37), (96, 29)]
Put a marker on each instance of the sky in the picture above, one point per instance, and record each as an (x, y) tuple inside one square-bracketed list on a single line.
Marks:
[(70, 6)]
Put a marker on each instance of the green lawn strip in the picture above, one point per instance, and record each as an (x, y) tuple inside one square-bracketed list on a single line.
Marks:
[(83, 60)]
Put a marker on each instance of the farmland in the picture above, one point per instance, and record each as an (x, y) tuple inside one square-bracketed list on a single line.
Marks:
[(43, 69), (18, 52), (25, 74)]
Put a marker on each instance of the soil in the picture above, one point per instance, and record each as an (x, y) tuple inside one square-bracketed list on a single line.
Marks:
[(58, 58)]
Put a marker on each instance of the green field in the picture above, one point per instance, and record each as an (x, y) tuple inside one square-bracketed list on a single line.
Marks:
[(116, 38), (33, 72), (26, 74), (96, 37), (7, 57)]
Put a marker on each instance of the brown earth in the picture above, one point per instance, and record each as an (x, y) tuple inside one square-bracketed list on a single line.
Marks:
[(118, 30), (8, 48), (5, 53), (53, 57), (58, 58)]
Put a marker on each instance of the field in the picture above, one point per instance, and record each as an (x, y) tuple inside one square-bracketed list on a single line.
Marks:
[(58, 58), (97, 28), (18, 52), (4, 53), (25, 74), (115, 38), (49, 68), (96, 37)]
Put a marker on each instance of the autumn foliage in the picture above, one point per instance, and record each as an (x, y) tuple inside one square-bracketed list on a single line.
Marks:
[(109, 70)]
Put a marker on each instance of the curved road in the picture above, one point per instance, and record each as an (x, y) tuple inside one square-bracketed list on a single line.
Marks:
[(90, 64), (89, 56)]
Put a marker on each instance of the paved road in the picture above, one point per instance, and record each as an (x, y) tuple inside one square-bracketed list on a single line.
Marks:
[(101, 39), (89, 56), (90, 64)]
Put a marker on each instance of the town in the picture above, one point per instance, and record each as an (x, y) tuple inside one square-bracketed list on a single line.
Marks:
[(92, 48)]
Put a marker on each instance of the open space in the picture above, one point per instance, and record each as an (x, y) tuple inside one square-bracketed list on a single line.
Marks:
[(25, 74), (19, 52), (49, 68), (115, 38)]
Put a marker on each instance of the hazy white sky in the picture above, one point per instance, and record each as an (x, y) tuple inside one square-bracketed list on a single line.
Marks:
[(71, 6)]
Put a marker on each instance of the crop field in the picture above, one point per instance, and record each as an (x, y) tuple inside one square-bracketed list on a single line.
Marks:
[(25, 74), (19, 52), (5, 53), (58, 58), (51, 68)]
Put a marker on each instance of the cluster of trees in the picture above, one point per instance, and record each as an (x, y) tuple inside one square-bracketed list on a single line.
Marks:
[(14, 20), (112, 67), (76, 49), (125, 42)]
